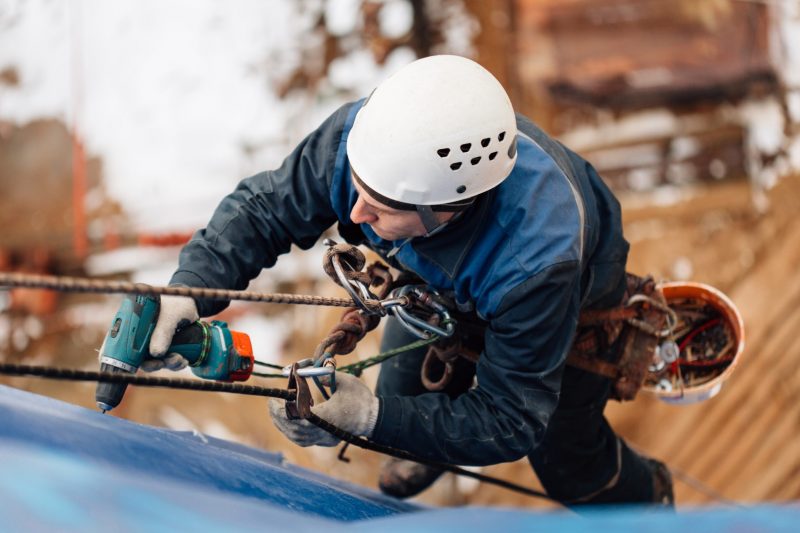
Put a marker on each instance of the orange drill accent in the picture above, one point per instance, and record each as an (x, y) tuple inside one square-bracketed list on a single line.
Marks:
[(244, 349)]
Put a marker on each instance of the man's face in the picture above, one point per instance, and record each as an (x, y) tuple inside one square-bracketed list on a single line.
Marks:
[(390, 224)]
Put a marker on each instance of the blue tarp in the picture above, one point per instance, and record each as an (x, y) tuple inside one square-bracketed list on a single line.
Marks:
[(109, 451), (63, 467)]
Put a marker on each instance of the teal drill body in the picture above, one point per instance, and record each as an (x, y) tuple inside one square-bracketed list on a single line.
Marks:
[(212, 349)]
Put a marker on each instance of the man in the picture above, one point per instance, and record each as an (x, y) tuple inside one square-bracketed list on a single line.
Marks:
[(436, 174)]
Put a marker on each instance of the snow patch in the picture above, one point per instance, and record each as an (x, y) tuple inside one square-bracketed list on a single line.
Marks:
[(217, 429), (267, 335), (682, 269), (396, 18), (342, 16), (174, 419), (147, 263), (655, 123)]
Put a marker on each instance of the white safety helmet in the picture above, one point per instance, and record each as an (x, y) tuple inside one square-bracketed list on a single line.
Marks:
[(437, 133)]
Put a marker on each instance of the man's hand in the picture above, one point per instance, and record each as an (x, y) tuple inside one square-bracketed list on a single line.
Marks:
[(352, 408), (174, 311)]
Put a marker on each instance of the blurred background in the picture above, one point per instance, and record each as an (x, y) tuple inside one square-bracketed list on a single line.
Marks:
[(122, 125)]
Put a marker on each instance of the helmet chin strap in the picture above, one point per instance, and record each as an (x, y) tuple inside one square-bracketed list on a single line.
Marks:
[(429, 219)]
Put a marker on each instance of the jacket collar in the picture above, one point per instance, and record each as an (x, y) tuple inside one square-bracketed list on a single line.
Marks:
[(449, 247)]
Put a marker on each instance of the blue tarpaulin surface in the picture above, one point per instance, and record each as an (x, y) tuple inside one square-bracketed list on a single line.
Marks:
[(63, 467)]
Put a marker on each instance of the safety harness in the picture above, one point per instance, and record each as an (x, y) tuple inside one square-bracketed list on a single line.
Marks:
[(617, 343)]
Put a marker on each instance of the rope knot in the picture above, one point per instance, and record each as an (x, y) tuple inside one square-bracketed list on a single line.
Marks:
[(351, 259), (381, 280), (345, 335)]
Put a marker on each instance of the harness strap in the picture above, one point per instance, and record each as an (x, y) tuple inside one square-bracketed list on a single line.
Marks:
[(595, 366), (619, 343), (616, 343)]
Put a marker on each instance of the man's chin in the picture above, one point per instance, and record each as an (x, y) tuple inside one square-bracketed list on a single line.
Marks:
[(385, 236), (391, 235)]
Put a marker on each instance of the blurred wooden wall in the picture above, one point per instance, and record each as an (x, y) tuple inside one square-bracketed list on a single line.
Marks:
[(572, 64)]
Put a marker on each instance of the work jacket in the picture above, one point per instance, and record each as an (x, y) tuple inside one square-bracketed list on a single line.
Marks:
[(527, 256)]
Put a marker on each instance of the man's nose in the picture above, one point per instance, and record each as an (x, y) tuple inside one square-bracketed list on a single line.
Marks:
[(361, 214)]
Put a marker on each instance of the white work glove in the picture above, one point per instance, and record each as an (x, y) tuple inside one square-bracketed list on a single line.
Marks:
[(174, 311), (352, 408)]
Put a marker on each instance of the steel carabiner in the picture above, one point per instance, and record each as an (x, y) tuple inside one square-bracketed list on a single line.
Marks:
[(306, 369), (353, 287), (415, 325)]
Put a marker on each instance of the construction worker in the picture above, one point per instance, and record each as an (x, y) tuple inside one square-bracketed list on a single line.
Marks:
[(436, 173)]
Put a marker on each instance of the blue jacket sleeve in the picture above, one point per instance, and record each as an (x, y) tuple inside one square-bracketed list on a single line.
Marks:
[(264, 216), (518, 381)]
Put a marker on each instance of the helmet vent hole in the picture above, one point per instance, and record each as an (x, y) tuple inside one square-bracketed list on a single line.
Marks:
[(501, 136), (443, 152), (461, 189), (465, 147), (475, 160), (485, 142), (455, 166), (492, 156)]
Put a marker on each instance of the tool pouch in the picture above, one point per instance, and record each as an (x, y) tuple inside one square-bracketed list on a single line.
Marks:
[(620, 343)]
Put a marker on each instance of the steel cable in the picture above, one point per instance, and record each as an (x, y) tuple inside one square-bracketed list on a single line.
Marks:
[(252, 390), (72, 284)]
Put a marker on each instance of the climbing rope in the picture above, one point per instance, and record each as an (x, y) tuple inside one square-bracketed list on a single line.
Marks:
[(358, 367), (692, 482)]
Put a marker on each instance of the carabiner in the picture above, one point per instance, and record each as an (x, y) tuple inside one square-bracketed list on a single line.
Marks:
[(350, 285), (306, 369), (415, 325), (389, 303), (326, 361)]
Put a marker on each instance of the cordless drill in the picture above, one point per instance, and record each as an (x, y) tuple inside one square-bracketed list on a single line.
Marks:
[(213, 350)]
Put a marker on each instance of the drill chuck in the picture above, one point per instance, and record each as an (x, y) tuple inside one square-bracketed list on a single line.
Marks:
[(108, 395)]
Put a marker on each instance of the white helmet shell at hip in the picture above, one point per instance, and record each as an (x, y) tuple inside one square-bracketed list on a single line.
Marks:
[(440, 130)]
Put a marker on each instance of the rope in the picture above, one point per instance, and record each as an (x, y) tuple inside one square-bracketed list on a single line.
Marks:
[(72, 284), (238, 388), (266, 375), (358, 367), (692, 482), (268, 365), (702, 488)]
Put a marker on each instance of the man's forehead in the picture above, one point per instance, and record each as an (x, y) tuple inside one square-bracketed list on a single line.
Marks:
[(378, 200), (372, 202)]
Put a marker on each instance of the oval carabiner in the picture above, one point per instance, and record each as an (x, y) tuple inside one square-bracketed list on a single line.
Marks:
[(415, 325), (307, 370), (350, 285), (421, 328)]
